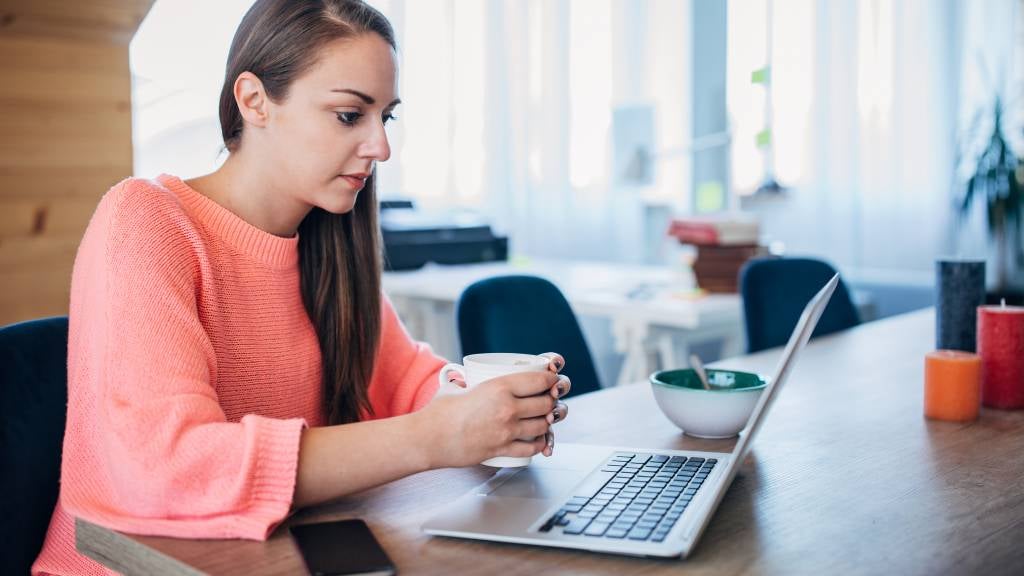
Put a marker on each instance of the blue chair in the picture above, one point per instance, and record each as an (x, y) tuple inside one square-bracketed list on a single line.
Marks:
[(529, 315), (775, 291), (33, 356)]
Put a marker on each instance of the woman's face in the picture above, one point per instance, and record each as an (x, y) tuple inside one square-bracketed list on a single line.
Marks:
[(328, 132)]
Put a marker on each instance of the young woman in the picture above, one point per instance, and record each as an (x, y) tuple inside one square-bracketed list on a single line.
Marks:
[(231, 356)]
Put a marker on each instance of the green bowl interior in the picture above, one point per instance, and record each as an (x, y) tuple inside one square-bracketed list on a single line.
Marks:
[(721, 380)]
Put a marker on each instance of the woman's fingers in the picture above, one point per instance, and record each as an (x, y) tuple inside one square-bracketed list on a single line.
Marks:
[(526, 384), (562, 387), (556, 361), (522, 448), (559, 413), (540, 405), (531, 428)]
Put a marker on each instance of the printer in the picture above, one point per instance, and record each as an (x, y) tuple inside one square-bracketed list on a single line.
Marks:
[(413, 237)]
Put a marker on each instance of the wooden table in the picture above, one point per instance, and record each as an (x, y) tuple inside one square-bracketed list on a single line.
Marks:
[(847, 477)]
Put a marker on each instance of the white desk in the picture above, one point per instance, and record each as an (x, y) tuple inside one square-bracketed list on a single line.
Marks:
[(653, 311)]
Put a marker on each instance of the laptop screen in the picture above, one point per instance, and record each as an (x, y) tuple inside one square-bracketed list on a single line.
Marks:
[(797, 340)]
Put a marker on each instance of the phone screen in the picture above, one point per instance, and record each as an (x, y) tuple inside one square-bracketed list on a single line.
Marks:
[(342, 547)]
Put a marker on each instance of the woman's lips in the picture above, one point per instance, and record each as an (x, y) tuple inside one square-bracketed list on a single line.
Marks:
[(355, 181)]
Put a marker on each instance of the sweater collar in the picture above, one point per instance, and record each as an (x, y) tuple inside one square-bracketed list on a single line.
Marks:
[(274, 251)]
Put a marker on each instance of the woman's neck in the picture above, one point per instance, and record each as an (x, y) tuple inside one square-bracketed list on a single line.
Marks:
[(248, 190)]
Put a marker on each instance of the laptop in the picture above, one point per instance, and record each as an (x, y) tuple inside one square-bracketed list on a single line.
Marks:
[(618, 500)]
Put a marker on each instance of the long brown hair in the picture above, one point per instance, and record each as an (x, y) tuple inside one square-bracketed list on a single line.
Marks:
[(339, 254)]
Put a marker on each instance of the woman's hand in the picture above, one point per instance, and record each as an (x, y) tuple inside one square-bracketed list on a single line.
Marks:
[(508, 416)]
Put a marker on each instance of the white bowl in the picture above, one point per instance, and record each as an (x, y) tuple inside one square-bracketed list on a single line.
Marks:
[(717, 413)]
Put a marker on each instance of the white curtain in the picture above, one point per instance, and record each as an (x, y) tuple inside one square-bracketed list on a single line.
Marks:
[(867, 100), (507, 108)]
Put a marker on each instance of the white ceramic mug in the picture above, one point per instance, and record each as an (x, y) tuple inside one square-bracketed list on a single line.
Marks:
[(477, 368)]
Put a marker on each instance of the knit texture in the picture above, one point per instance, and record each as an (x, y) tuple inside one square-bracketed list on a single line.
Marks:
[(192, 370)]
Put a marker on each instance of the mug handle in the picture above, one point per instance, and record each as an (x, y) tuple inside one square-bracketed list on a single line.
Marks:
[(442, 376)]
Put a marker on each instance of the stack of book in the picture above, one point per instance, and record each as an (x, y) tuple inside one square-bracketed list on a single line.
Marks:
[(724, 244)]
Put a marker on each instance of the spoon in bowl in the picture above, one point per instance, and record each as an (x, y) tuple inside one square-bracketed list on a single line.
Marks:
[(698, 367)]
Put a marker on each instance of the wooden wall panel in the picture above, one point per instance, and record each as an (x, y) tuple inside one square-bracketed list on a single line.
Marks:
[(65, 138)]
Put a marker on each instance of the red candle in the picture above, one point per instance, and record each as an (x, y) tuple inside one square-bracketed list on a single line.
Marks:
[(1001, 347)]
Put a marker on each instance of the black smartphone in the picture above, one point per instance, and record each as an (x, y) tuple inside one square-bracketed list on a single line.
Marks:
[(342, 547)]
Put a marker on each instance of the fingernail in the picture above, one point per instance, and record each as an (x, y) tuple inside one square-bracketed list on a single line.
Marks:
[(558, 365), (551, 440), (557, 415)]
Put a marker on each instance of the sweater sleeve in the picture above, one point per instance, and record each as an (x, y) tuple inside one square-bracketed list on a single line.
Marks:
[(148, 448), (405, 374)]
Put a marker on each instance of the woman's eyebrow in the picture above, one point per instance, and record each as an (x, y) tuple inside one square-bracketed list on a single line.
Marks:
[(364, 97)]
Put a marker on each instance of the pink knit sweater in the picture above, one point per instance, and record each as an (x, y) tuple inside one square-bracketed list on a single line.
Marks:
[(192, 370)]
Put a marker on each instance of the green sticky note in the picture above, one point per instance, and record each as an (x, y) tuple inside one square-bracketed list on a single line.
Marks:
[(760, 76), (710, 196), (764, 137)]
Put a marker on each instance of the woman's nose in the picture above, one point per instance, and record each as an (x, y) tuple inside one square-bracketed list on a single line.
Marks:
[(376, 146)]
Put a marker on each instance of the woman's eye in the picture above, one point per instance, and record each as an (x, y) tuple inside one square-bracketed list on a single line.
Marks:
[(348, 118), (389, 117)]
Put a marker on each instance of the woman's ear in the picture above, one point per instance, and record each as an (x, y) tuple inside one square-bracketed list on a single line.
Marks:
[(251, 99)]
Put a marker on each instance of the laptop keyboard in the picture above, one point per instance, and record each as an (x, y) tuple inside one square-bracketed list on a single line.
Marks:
[(633, 497)]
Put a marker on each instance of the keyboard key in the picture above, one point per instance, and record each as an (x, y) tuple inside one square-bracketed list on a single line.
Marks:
[(563, 521), (577, 526), (572, 507), (662, 458), (641, 458), (677, 459), (596, 529), (616, 533), (552, 522), (639, 533)]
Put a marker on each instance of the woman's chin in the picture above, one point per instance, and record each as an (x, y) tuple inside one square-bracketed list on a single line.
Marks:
[(339, 201)]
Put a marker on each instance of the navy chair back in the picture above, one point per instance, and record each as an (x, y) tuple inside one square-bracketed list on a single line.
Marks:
[(529, 315), (33, 373), (775, 291)]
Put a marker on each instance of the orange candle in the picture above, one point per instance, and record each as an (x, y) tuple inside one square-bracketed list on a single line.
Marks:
[(952, 385)]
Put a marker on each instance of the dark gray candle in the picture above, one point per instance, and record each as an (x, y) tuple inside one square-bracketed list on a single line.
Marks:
[(961, 289)]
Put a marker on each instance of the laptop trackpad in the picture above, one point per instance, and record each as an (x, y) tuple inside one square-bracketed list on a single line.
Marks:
[(532, 482)]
